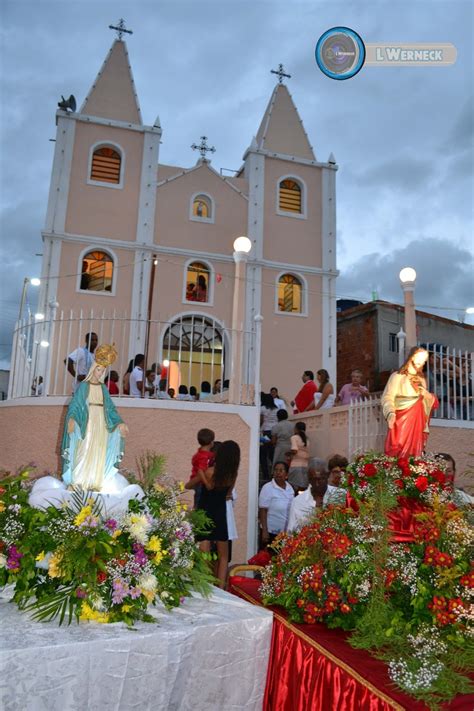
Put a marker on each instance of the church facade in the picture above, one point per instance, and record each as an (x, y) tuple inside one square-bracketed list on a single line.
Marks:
[(150, 245)]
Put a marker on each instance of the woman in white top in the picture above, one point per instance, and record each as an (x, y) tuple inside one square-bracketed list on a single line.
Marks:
[(324, 397), (274, 503)]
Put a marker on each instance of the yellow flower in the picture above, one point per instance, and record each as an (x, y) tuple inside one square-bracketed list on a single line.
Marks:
[(149, 595), (40, 556), (83, 514), (87, 613), (116, 533), (126, 608), (54, 570), (158, 557), (181, 485), (154, 544), (2, 506), (185, 507)]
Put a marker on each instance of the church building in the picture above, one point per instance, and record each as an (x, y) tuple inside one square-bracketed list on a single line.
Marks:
[(142, 252)]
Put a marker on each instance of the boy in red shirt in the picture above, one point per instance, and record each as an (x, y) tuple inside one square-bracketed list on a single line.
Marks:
[(202, 459)]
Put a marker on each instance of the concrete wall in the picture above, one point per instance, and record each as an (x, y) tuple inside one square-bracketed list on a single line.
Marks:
[(32, 430)]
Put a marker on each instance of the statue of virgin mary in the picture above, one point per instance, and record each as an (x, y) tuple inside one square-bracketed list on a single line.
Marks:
[(92, 444)]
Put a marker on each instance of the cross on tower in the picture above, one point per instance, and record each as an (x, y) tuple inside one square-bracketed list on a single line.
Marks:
[(203, 148), (281, 73), (120, 28)]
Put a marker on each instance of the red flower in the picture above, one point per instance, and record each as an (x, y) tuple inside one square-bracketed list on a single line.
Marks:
[(369, 469), (399, 483), (439, 476), (344, 607), (101, 577), (350, 479), (404, 466), (468, 580), (443, 560), (421, 483), (438, 603), (430, 555)]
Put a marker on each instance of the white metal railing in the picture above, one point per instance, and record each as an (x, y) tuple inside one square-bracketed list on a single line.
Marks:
[(449, 376), (367, 427), (197, 345)]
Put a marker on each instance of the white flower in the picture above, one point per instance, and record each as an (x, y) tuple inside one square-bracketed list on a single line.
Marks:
[(148, 582), (3, 560), (139, 526)]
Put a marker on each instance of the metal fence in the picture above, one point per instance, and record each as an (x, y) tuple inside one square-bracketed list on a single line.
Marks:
[(449, 376), (367, 427), (191, 349)]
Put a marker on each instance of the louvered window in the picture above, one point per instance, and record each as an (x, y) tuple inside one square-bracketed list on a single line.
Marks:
[(290, 292), (97, 271), (106, 163), (290, 196)]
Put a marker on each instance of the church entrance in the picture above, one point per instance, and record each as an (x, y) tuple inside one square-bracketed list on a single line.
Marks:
[(196, 344)]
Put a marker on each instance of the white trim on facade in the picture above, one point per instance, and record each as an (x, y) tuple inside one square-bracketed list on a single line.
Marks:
[(113, 123), (290, 159), (60, 177), (215, 256), (99, 183), (304, 295), (199, 165), (328, 233), (210, 283), (111, 253), (212, 207), (304, 190)]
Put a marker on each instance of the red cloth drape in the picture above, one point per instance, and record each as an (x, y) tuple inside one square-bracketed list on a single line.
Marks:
[(407, 437), (313, 668), (305, 395)]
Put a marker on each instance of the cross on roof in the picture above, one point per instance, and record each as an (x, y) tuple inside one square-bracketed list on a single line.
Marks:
[(281, 73), (203, 148), (120, 28)]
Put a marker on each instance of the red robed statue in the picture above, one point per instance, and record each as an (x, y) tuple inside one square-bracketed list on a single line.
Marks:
[(407, 407)]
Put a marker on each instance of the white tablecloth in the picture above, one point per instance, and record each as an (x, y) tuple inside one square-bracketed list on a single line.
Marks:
[(209, 654)]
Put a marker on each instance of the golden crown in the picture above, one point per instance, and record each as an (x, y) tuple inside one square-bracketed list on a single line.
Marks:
[(105, 355)]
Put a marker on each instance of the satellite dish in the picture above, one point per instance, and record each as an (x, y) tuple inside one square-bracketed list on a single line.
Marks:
[(67, 104)]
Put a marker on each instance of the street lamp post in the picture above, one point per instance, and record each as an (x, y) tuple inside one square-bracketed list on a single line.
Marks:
[(242, 246), (407, 280)]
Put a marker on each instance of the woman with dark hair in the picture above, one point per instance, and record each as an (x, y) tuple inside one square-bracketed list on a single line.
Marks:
[(200, 289), (217, 387), (407, 405), (218, 480), (126, 378), (194, 393), (205, 390), (324, 396), (274, 503), (298, 474), (183, 393)]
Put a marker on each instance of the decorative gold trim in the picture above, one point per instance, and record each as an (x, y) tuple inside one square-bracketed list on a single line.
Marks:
[(326, 653)]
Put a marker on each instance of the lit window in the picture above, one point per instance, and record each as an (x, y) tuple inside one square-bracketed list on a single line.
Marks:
[(197, 282), (106, 165), (290, 294), (202, 208), (289, 196), (97, 272)]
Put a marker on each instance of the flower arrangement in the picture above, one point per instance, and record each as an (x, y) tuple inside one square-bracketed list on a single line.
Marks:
[(77, 562), (406, 595)]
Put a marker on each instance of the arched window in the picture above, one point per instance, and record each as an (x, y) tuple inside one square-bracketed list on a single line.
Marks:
[(289, 196), (97, 271), (196, 344), (290, 294), (197, 282), (201, 208), (106, 165)]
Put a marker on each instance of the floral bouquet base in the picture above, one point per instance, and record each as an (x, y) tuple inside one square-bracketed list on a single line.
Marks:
[(393, 567), (80, 559)]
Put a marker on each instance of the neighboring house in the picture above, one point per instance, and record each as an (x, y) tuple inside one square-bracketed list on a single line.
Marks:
[(119, 221), (367, 339)]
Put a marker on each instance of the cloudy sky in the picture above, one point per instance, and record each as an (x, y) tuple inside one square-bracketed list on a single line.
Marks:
[(401, 136)]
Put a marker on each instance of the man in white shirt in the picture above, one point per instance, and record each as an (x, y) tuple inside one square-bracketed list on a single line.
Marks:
[(281, 404), (319, 494), (138, 385), (80, 360)]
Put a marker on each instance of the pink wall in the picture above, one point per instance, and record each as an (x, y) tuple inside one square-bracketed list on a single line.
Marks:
[(159, 429), (104, 211), (173, 228), (294, 240), (290, 343)]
